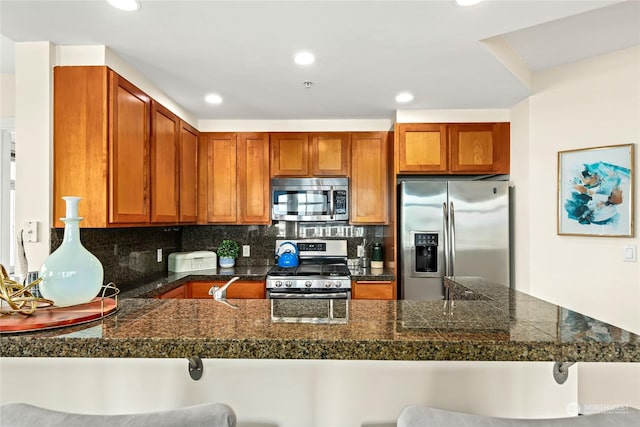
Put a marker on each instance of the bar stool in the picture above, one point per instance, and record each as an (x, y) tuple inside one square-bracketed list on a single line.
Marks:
[(204, 415), (422, 416)]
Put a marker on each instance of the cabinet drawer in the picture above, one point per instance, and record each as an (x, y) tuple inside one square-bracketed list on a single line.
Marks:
[(382, 289)]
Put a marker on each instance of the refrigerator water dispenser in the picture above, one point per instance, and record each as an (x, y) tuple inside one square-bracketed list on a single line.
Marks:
[(426, 252)]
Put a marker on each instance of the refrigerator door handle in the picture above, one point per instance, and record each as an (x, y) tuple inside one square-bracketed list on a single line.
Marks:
[(445, 234), (452, 237)]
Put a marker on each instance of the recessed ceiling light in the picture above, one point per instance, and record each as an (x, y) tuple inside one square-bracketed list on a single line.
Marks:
[(213, 98), (404, 97), (304, 58), (128, 5), (466, 2)]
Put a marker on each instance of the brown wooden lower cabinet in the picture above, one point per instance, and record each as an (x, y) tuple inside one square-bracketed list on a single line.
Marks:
[(241, 289), (177, 293), (373, 289)]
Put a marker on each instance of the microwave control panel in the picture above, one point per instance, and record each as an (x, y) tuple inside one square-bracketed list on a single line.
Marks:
[(340, 201)]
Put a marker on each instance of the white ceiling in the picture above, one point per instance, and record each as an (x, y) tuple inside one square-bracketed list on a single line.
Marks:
[(367, 51)]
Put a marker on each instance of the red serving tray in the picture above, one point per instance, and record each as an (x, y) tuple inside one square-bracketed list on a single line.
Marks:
[(57, 317)]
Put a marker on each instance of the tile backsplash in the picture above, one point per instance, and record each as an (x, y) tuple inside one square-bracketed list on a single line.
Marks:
[(128, 255)]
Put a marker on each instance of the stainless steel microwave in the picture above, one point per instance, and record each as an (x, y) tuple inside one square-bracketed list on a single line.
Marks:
[(310, 199)]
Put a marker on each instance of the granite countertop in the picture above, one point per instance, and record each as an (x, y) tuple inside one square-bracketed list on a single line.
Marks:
[(483, 321), (166, 282)]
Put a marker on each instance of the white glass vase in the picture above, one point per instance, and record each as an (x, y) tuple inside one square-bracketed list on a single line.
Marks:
[(71, 275)]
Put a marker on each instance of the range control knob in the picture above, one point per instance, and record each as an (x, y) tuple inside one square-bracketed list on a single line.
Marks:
[(327, 284), (288, 283), (307, 283), (337, 283), (278, 283)]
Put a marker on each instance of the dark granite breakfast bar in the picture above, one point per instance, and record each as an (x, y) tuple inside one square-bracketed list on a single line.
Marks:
[(481, 321)]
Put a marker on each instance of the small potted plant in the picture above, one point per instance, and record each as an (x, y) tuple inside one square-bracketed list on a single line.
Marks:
[(228, 251)]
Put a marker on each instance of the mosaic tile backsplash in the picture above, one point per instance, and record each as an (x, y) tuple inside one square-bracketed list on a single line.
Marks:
[(128, 255)]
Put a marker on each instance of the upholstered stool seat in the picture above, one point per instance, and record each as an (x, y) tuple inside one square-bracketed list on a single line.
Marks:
[(204, 415), (421, 416)]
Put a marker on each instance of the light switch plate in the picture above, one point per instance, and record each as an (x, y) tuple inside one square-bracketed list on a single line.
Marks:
[(246, 250), (30, 231), (630, 253), (159, 255)]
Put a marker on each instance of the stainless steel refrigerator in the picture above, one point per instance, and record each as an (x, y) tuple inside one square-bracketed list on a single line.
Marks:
[(451, 228)]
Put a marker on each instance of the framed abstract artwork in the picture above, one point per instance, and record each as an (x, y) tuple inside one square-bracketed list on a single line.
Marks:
[(595, 191)]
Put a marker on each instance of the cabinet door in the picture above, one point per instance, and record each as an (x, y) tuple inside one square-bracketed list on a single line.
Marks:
[(200, 290), (217, 178), (289, 154), (165, 129), (479, 148), (253, 178), (369, 187), (383, 289), (177, 293), (422, 147), (247, 289), (80, 162), (129, 116), (330, 154), (188, 155)]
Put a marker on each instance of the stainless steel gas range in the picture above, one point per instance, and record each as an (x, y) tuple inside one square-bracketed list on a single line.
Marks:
[(322, 272)]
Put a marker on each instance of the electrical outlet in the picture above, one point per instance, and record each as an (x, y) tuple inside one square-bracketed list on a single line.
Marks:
[(246, 250), (159, 255), (360, 251)]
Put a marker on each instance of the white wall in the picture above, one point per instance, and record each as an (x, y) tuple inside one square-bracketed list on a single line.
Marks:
[(102, 55), (521, 203), (7, 95), (453, 116), (293, 125), (590, 103), (34, 128), (291, 393)]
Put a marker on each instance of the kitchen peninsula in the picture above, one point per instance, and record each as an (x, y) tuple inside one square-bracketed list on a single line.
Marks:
[(481, 321)]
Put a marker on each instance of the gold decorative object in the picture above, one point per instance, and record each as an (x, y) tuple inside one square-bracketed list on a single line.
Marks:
[(19, 298)]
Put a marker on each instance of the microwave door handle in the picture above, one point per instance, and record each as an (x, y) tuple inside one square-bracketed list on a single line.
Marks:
[(331, 206)]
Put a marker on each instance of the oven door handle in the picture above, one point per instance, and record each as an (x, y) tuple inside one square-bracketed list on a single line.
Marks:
[(333, 295)]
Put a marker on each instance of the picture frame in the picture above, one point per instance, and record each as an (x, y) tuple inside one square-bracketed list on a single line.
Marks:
[(595, 191)]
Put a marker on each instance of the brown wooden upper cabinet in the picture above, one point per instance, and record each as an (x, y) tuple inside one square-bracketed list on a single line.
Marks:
[(188, 158), (467, 148), (300, 154), (369, 178), (101, 147), (254, 202), (115, 148), (165, 130), (234, 178)]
